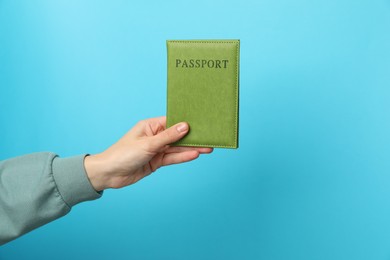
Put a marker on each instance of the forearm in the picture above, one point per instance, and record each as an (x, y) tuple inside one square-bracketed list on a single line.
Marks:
[(38, 188)]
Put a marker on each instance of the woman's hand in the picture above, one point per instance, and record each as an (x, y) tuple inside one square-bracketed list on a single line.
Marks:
[(141, 151)]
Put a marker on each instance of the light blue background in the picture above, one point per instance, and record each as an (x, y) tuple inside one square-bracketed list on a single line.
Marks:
[(311, 179)]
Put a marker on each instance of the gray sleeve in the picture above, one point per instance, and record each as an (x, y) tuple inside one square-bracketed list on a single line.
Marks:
[(38, 188)]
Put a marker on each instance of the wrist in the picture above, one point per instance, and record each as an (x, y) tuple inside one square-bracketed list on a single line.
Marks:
[(95, 168)]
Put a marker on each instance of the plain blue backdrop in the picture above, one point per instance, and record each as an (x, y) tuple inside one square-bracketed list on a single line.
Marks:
[(311, 179)]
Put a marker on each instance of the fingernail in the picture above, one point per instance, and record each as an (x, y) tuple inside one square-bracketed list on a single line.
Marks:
[(182, 127)]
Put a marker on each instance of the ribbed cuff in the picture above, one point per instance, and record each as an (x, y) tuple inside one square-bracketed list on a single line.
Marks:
[(72, 180)]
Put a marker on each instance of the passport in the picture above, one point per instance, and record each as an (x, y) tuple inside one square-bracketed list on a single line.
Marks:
[(203, 90)]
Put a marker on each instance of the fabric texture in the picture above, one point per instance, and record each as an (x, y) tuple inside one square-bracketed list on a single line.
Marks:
[(38, 188)]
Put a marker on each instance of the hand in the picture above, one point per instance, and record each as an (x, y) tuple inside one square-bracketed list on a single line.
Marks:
[(141, 151)]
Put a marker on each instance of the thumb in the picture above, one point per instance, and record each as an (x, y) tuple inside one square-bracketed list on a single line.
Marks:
[(169, 135)]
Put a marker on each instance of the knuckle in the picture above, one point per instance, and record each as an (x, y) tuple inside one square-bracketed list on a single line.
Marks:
[(141, 122), (167, 134)]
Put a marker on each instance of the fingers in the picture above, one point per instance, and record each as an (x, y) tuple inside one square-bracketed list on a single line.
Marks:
[(168, 136), (174, 158), (148, 127), (162, 120), (178, 149)]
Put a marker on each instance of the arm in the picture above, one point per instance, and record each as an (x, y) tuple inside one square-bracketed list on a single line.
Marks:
[(38, 188)]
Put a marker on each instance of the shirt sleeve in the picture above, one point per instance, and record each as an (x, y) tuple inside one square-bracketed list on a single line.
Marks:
[(38, 188)]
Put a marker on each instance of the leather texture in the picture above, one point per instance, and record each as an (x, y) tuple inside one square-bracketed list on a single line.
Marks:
[(203, 90)]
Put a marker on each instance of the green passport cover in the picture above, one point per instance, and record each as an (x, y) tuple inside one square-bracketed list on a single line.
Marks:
[(203, 90)]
